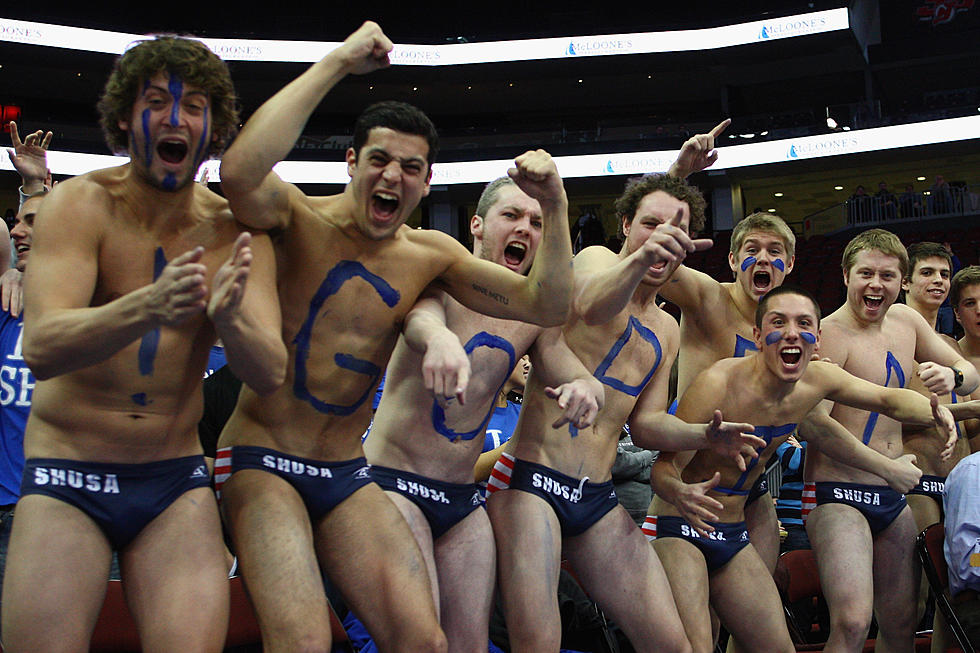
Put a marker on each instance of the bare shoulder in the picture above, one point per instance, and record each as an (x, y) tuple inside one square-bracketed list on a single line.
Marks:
[(83, 200), (596, 256)]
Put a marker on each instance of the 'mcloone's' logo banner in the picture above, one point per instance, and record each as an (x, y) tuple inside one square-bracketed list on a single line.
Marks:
[(793, 26), (599, 45)]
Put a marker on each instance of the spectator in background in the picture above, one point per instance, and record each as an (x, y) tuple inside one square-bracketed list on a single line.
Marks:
[(503, 420), (961, 501), (859, 206), (886, 204), (940, 197), (910, 202), (792, 456), (631, 476)]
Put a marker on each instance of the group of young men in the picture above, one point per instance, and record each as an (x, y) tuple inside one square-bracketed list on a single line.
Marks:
[(136, 270)]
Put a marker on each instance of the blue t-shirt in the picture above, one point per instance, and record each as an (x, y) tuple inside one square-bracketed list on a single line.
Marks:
[(501, 426), (216, 360), (16, 392)]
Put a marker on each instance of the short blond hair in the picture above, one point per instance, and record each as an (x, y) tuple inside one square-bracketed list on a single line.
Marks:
[(876, 239), (769, 223)]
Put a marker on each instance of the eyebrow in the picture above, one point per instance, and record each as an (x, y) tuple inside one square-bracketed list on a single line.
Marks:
[(156, 87), (411, 159)]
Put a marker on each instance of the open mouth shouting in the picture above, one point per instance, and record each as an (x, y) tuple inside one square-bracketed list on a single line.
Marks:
[(873, 302), (761, 280), (791, 356), (384, 204), (172, 151), (514, 254)]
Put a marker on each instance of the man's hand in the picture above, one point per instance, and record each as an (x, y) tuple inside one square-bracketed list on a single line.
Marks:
[(228, 285), (698, 152), (446, 368), (946, 425), (29, 157), (12, 291), (579, 401), (536, 174), (180, 291), (903, 475), (669, 243), (937, 378), (732, 440), (366, 50), (695, 506)]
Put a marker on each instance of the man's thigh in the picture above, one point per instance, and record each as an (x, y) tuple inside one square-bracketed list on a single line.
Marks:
[(273, 539), (528, 538), (368, 551), (896, 577), (925, 510), (466, 560), (687, 573), (621, 572), (55, 580), (419, 525), (760, 519), (757, 624), (842, 544), (176, 578)]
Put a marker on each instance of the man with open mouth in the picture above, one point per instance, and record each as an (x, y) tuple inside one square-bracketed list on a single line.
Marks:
[(717, 318), (134, 271), (300, 493), (697, 521), (864, 549)]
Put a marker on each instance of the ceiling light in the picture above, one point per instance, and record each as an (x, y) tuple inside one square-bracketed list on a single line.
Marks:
[(580, 81), (765, 133), (777, 194), (771, 210), (846, 128), (920, 178), (831, 123), (838, 188)]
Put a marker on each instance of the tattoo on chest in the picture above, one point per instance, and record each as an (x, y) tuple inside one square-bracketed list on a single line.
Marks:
[(334, 281)]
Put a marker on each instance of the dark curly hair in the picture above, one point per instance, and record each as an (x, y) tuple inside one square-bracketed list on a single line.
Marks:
[(401, 117), (189, 59), (639, 187)]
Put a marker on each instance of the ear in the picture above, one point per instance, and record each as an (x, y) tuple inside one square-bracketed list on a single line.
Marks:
[(351, 157), (476, 226), (428, 180), (733, 264), (627, 223), (789, 264), (906, 284), (844, 272), (756, 335)]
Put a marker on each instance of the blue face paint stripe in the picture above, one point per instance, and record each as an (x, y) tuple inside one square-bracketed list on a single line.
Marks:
[(335, 279), (169, 181), (176, 87), (748, 262), (617, 384), (151, 339), (481, 339), (778, 264), (147, 144), (808, 337), (774, 337), (743, 346), (891, 364)]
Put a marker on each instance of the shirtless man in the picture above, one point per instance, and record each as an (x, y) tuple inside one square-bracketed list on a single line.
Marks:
[(717, 318), (864, 550), (964, 296), (135, 270), (423, 448), (349, 272), (551, 492), (698, 526)]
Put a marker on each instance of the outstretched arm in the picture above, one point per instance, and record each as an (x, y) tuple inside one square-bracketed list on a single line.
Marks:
[(698, 152), (543, 297), (445, 365), (690, 499), (244, 308), (579, 394), (605, 282), (29, 158), (819, 427), (257, 196)]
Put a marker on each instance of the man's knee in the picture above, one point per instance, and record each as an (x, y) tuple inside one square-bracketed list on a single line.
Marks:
[(853, 625), (412, 638)]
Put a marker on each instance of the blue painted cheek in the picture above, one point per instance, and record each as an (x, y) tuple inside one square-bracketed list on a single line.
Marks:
[(176, 87), (748, 262), (147, 144), (808, 337), (774, 337), (778, 264)]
